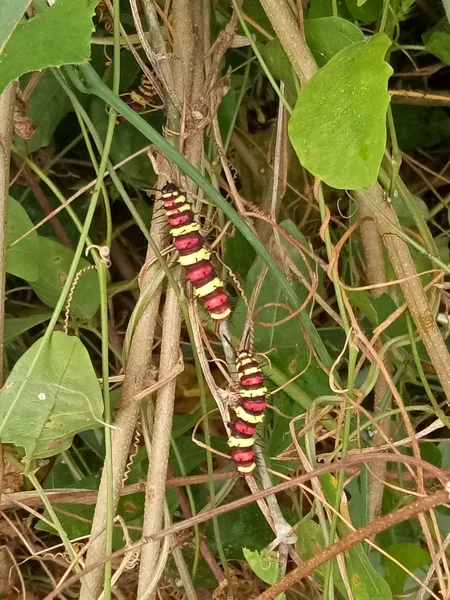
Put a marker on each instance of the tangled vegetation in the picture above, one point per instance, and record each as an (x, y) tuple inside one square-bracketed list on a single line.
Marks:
[(225, 367)]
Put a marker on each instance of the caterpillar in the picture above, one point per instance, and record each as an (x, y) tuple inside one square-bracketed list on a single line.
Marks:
[(141, 97), (249, 412), (194, 256)]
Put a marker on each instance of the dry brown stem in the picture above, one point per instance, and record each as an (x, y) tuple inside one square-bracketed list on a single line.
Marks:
[(376, 274), (355, 537)]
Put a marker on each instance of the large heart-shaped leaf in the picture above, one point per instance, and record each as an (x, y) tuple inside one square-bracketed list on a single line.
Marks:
[(60, 35), (12, 12), (41, 411), (22, 259), (338, 127), (328, 35)]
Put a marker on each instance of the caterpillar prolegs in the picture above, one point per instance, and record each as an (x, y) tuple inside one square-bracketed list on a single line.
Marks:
[(249, 412), (194, 256)]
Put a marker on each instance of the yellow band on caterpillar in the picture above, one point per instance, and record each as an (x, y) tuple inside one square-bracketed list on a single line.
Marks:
[(253, 393), (241, 362), (176, 231), (177, 210), (247, 469), (209, 287), (249, 371), (222, 315), (195, 257), (241, 413), (146, 86), (235, 442)]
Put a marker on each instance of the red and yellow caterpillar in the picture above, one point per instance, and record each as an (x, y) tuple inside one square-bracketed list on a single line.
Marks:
[(141, 97), (194, 256), (249, 412)]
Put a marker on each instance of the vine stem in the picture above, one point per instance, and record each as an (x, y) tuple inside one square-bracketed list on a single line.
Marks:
[(7, 99)]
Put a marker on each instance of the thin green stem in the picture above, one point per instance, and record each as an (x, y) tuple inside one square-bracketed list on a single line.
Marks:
[(334, 8), (384, 16), (352, 356), (209, 462), (56, 523), (103, 281), (258, 55), (191, 500), (238, 102), (439, 412)]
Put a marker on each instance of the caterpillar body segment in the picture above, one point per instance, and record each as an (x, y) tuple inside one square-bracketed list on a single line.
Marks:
[(193, 254), (249, 412), (141, 98)]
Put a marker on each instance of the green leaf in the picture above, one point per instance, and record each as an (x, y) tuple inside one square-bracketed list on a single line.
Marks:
[(328, 35), (243, 528), (324, 8), (239, 255), (420, 126), (127, 141), (411, 556), (22, 259), (439, 45), (446, 4), (292, 354), (338, 127), (367, 11), (61, 397), (310, 541), (12, 12), (254, 10), (54, 264), (280, 66), (264, 564), (47, 107), (365, 582), (60, 35), (15, 327)]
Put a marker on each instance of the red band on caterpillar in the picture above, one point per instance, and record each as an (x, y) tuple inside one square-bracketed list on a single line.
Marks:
[(194, 255), (249, 412)]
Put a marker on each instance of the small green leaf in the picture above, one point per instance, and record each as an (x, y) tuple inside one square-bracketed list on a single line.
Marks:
[(22, 259), (12, 12), (61, 397), (15, 327), (239, 255), (280, 66), (264, 564), (366, 11), (47, 107), (54, 264), (420, 126), (439, 45), (411, 556), (328, 35), (365, 582), (310, 541), (254, 10), (338, 128), (127, 141), (324, 8), (60, 35)]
